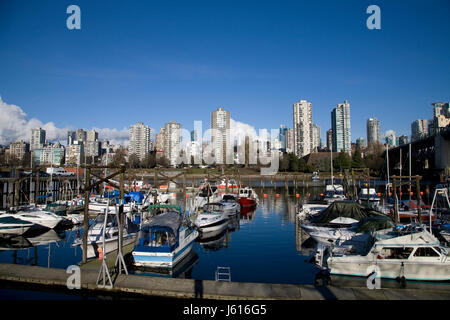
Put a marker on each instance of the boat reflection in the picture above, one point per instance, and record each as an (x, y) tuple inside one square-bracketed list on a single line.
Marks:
[(215, 242), (182, 269), (247, 214), (304, 244), (34, 239)]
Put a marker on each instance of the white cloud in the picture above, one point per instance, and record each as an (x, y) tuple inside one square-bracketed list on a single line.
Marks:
[(389, 133), (240, 129), (114, 136), (15, 125)]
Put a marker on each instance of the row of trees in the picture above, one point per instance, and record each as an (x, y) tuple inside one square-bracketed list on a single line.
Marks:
[(373, 160)]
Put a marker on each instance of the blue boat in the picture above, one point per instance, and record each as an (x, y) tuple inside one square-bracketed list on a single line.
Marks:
[(164, 241)]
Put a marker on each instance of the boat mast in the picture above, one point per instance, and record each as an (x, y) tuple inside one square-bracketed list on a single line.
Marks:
[(409, 156), (387, 183), (331, 163)]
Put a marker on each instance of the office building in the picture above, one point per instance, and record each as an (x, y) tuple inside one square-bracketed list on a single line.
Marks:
[(340, 124), (316, 137), (419, 130), (373, 131)]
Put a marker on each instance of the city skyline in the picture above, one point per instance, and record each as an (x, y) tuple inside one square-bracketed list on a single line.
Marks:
[(61, 79)]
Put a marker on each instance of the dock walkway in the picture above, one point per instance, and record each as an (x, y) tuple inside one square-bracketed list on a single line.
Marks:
[(188, 288)]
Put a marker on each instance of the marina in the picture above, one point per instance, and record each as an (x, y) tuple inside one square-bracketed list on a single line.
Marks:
[(263, 246)]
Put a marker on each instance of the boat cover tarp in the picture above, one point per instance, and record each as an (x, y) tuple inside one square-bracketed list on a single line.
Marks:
[(347, 209), (375, 223), (136, 196), (170, 219)]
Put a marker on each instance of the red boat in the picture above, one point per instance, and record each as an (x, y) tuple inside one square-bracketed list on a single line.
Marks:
[(248, 198)]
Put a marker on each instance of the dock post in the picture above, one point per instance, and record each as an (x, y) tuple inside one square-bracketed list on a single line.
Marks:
[(286, 186)]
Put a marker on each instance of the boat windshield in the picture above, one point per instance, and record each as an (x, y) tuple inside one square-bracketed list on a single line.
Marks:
[(157, 238), (110, 219), (228, 198)]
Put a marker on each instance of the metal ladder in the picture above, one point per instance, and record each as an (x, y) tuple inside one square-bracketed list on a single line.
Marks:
[(223, 274)]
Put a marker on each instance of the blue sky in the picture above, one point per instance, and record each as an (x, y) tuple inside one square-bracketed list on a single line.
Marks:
[(156, 61)]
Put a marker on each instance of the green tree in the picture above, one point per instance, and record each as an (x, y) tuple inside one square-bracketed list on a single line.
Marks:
[(284, 162), (293, 163), (357, 160), (343, 161)]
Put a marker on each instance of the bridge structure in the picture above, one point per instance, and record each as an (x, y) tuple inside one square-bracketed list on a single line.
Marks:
[(430, 157)]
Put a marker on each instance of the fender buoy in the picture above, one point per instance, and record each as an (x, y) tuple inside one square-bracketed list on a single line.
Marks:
[(100, 253)]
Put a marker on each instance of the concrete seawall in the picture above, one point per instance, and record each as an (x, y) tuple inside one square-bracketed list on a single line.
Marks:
[(187, 288)]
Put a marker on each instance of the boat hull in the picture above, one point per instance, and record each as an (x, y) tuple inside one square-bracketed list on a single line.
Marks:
[(110, 246), (247, 202), (163, 259), (213, 227), (425, 271)]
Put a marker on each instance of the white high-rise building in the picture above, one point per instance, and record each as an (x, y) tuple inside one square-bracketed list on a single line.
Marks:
[(220, 137), (37, 140), (172, 142), (373, 131), (139, 140), (340, 125), (303, 127)]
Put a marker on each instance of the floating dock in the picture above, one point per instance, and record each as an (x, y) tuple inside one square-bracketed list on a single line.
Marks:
[(207, 289)]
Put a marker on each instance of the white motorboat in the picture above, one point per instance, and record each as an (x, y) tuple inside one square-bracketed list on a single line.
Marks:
[(164, 241), (37, 216), (206, 195), (211, 218), (95, 234), (357, 233), (98, 204), (368, 195), (397, 253), (310, 209), (334, 192), (155, 196), (231, 204), (13, 226)]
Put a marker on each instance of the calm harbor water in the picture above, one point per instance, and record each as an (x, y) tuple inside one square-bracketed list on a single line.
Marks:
[(259, 246)]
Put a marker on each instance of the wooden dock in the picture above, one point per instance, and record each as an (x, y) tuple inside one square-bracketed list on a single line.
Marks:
[(207, 289)]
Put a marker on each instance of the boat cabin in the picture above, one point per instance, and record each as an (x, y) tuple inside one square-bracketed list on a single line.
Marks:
[(162, 233)]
